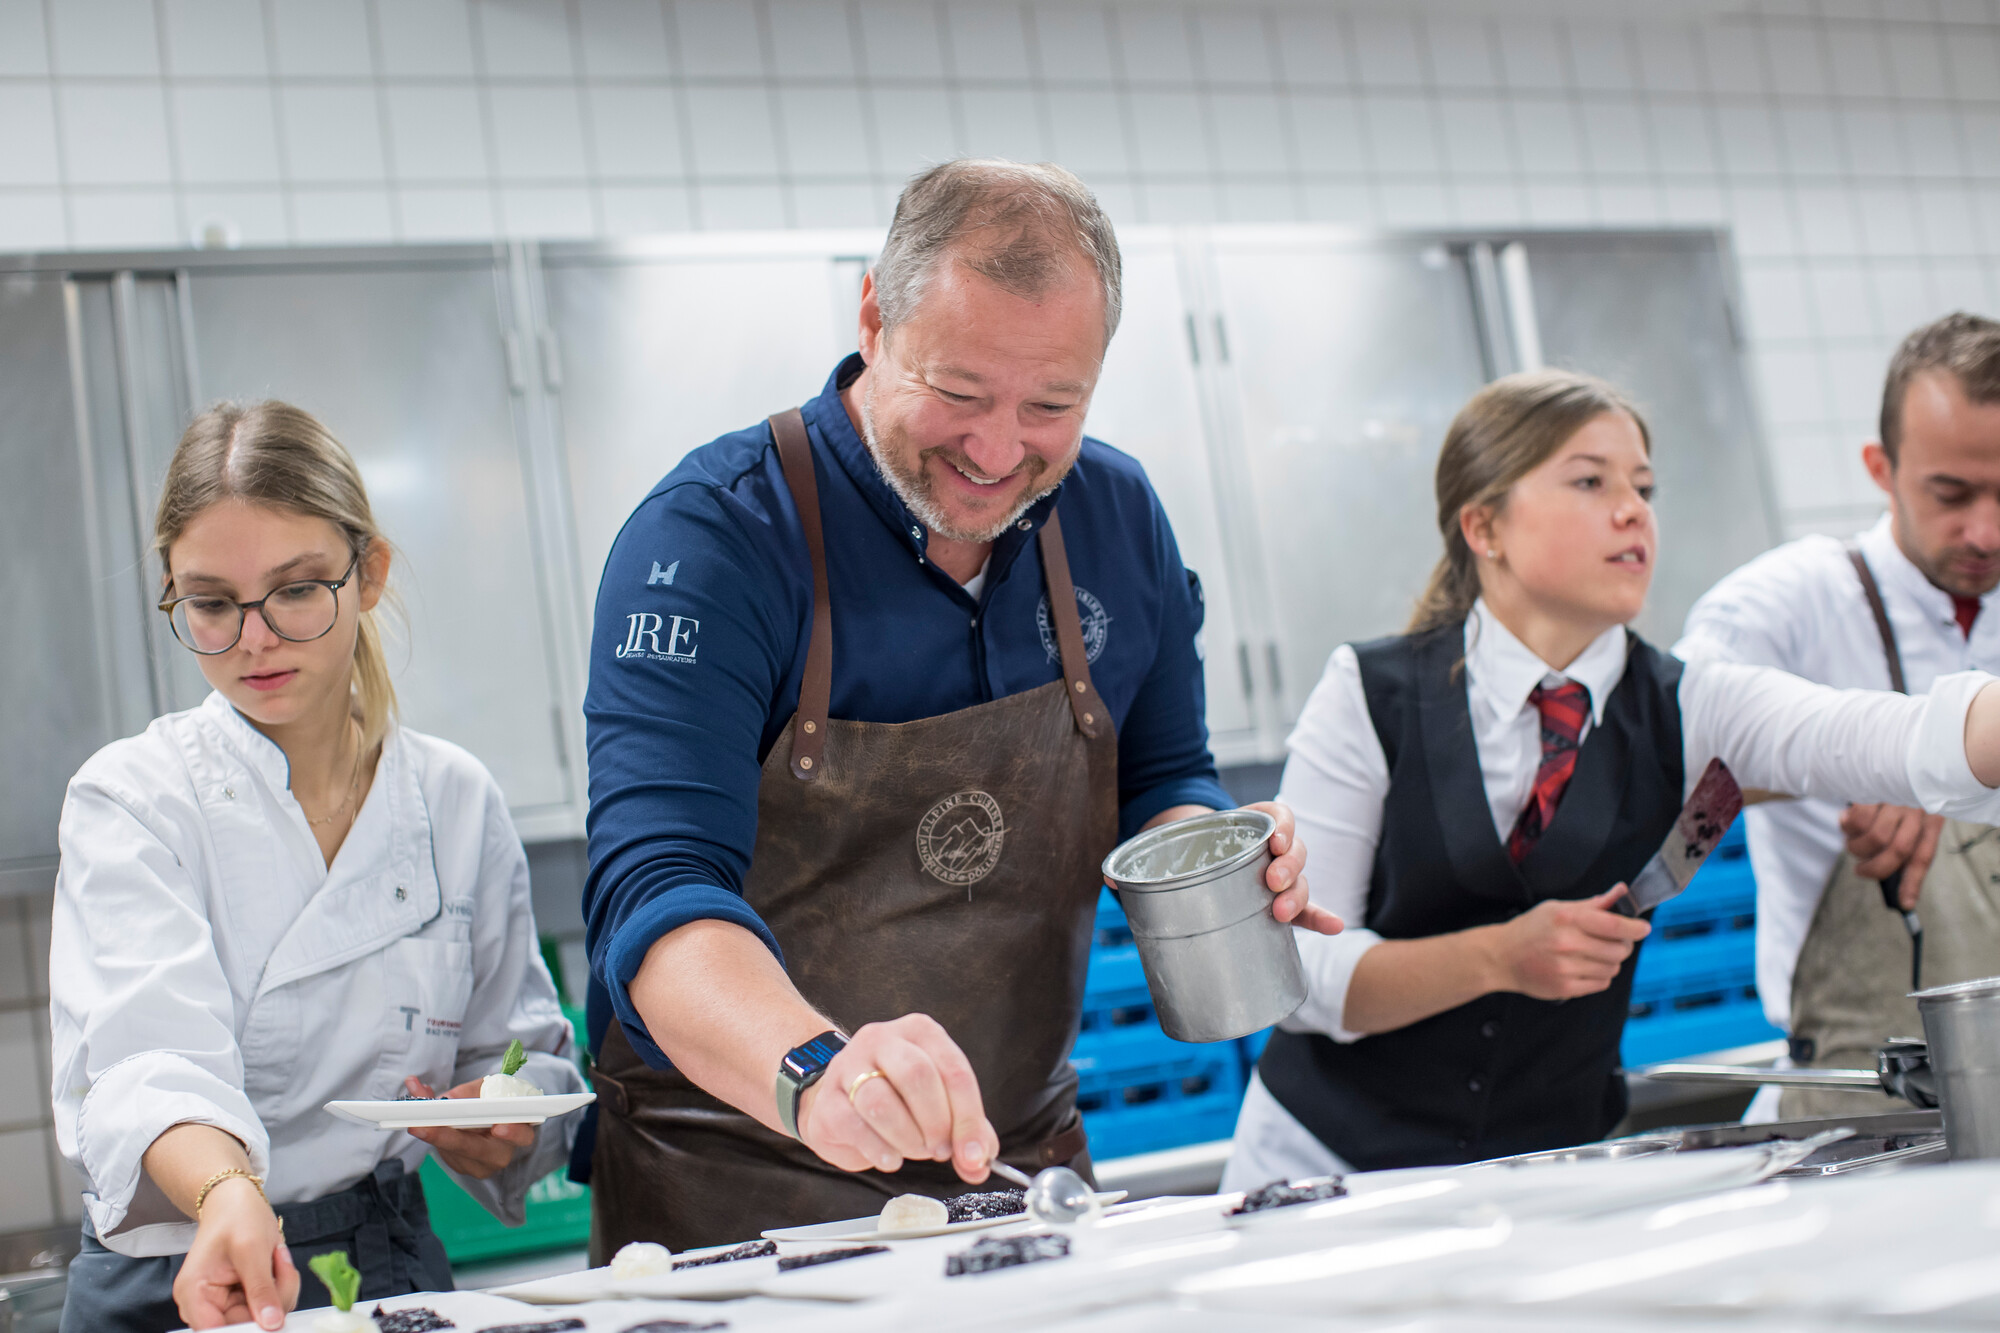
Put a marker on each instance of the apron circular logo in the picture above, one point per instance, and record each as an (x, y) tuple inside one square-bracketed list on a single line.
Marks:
[(959, 839), (1096, 626)]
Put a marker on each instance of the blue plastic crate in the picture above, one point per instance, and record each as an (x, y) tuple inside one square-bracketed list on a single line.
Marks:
[(1119, 1024), (1136, 1108), (1112, 930), (1695, 989), (1673, 1033), (1673, 965), (1249, 1048)]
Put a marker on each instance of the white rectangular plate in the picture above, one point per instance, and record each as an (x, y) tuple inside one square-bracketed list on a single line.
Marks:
[(461, 1112), (863, 1228)]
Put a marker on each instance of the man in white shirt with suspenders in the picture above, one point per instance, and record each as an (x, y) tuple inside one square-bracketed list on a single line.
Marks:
[(1907, 601)]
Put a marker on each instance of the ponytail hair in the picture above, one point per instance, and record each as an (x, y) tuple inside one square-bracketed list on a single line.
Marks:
[(1508, 429), (280, 456)]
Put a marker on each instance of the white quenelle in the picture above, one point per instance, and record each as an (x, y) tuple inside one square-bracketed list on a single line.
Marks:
[(344, 1321), (908, 1213), (504, 1083), (642, 1258)]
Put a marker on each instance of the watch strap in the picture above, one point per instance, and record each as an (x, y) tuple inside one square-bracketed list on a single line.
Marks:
[(800, 1069)]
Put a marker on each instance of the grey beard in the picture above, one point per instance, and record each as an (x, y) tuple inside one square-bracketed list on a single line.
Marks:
[(912, 490)]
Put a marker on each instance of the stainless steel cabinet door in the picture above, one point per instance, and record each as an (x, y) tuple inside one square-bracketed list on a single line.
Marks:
[(662, 353), (1149, 404), (1347, 358), (1652, 314), (407, 363), (59, 701)]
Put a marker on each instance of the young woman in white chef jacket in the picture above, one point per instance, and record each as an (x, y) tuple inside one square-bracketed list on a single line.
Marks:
[(1478, 792), (273, 900)]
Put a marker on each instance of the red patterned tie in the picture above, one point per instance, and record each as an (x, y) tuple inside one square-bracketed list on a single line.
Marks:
[(1563, 710)]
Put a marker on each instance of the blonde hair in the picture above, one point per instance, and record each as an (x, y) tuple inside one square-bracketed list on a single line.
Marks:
[(1507, 430), (274, 454)]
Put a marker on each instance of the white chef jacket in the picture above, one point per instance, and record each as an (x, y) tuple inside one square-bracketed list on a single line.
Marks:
[(1773, 730), (1800, 608), (208, 966)]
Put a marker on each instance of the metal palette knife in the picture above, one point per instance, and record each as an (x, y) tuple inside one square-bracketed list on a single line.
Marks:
[(1710, 810)]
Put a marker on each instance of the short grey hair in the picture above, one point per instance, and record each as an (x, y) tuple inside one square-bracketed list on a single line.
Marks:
[(1016, 225)]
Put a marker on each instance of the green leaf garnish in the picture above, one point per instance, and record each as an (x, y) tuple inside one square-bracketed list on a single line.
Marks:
[(342, 1279), (515, 1057)]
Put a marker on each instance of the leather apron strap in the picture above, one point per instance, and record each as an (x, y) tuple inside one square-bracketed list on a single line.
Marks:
[(788, 430), (1873, 592)]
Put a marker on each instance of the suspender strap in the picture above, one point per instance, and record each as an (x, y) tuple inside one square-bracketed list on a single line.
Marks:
[(1873, 592), (788, 428), (1084, 702)]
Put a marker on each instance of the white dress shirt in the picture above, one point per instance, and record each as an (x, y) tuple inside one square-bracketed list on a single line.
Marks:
[(208, 966), (1773, 730), (1800, 608)]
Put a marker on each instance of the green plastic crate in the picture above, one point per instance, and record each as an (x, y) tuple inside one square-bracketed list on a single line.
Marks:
[(558, 1208), (558, 1218)]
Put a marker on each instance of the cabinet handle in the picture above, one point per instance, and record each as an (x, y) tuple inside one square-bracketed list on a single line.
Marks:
[(1194, 342), (1243, 666), (562, 748), (1221, 340), (1277, 676), (517, 370), (551, 360)]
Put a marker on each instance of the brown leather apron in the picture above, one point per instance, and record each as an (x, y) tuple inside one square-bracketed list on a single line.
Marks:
[(1850, 991), (948, 866)]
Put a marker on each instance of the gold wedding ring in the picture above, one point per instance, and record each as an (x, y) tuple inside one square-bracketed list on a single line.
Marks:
[(861, 1078)]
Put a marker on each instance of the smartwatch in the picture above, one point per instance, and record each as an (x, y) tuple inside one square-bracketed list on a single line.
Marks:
[(799, 1070)]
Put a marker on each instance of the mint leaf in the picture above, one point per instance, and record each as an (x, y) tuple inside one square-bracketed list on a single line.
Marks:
[(342, 1279), (515, 1057)]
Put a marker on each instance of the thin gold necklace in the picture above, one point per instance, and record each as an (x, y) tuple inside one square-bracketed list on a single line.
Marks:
[(353, 783)]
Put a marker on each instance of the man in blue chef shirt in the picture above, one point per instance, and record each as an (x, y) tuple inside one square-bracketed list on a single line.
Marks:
[(874, 688)]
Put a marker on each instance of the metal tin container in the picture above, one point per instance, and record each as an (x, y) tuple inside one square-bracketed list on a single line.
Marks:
[(1218, 963), (1962, 1026)]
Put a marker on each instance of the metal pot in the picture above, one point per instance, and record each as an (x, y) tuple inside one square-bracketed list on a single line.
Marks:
[(1962, 1027), (1218, 963)]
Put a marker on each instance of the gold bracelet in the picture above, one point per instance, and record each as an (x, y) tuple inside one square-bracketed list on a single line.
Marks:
[(201, 1196)]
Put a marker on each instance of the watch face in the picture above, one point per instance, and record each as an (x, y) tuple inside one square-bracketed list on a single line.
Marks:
[(814, 1055)]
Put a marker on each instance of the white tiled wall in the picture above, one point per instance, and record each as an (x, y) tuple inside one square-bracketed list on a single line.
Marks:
[(1853, 144)]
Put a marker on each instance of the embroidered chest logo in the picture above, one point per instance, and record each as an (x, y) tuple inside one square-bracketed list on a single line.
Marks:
[(1096, 626), (959, 840)]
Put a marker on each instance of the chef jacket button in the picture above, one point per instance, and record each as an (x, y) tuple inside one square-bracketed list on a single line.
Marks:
[(1489, 1029), (229, 793), (917, 533), (975, 622), (401, 893), (1024, 525), (1473, 1085)]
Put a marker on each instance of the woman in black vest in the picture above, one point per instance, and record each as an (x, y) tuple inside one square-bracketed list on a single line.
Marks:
[(1477, 791)]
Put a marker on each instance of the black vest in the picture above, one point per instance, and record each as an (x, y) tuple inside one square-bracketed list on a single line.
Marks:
[(1505, 1073)]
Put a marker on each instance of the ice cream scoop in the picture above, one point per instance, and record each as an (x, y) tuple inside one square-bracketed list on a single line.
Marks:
[(1056, 1194)]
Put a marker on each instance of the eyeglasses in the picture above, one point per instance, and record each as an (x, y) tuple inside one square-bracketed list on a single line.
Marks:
[(297, 612)]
